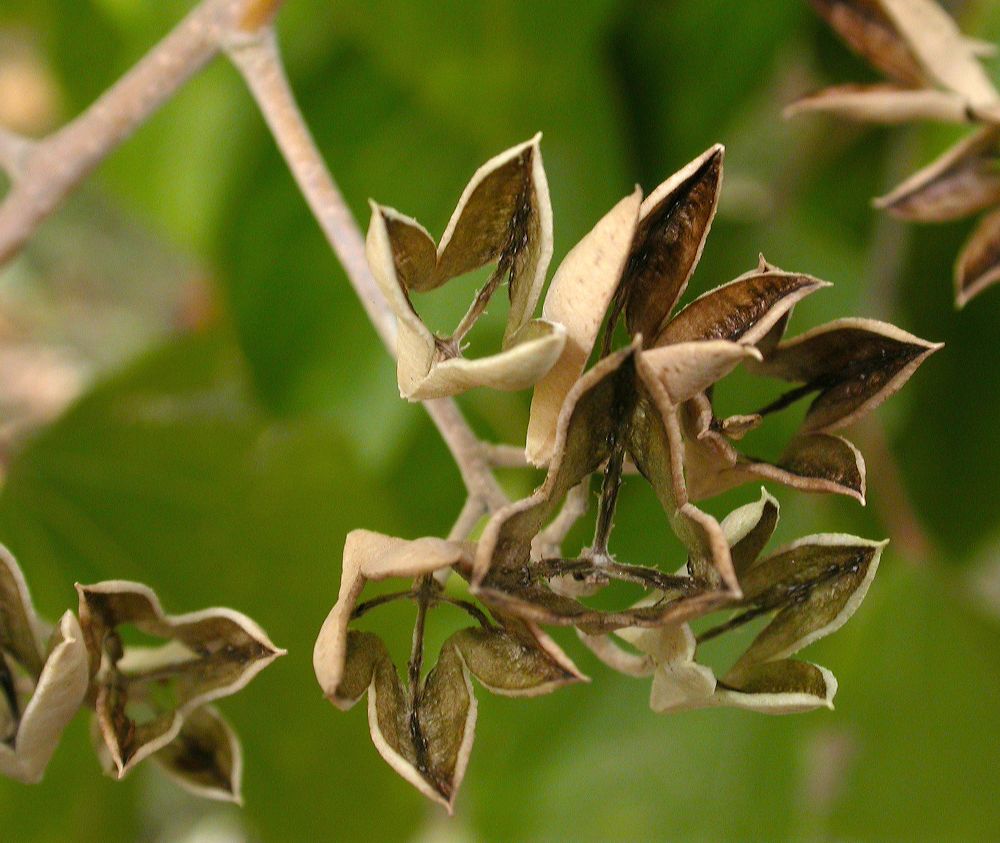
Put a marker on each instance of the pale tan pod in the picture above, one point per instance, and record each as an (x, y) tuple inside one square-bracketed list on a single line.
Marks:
[(978, 265), (945, 54), (884, 103), (581, 291)]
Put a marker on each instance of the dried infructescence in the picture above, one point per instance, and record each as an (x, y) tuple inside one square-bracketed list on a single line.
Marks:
[(425, 728), (645, 408), (149, 702), (811, 586), (504, 217), (935, 74)]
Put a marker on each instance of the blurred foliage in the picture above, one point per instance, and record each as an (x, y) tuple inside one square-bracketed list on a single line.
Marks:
[(227, 462)]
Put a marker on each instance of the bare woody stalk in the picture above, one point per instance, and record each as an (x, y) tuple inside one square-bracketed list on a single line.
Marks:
[(44, 172), (258, 59)]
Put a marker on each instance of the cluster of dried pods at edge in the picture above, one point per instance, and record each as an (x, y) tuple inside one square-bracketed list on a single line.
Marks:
[(147, 701), (935, 74), (645, 409)]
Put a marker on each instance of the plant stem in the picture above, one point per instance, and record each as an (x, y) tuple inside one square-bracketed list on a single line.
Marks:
[(477, 308), (609, 500), (732, 623), (258, 59), (45, 172), (650, 578), (381, 600), (504, 456), (423, 588), (467, 519), (13, 150), (468, 607), (786, 399)]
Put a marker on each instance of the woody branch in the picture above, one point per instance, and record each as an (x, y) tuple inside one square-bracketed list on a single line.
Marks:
[(44, 172)]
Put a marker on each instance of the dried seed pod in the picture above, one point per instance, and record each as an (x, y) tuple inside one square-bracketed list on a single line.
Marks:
[(937, 76), (978, 264), (425, 728), (503, 218), (621, 400), (578, 298), (674, 222), (207, 655), (871, 33), (810, 588), (918, 46), (809, 463), (205, 758), (962, 182), (41, 688), (853, 366), (945, 54), (745, 310), (655, 251)]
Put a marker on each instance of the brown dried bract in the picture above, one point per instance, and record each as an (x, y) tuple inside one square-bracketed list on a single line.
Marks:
[(809, 589), (645, 409), (937, 75), (641, 260), (978, 265), (935, 70), (503, 218), (425, 728), (41, 687), (870, 32), (963, 181), (849, 366), (637, 262), (620, 408), (144, 695)]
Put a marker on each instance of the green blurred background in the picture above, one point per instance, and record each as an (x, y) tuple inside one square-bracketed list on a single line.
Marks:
[(191, 397)]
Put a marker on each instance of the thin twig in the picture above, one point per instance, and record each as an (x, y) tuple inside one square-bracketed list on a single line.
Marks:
[(414, 668), (651, 578), (648, 578), (504, 456), (786, 399), (258, 59), (608, 501), (549, 541), (423, 588), (381, 600), (734, 622), (47, 171), (468, 607), (14, 149), (478, 307), (466, 451), (468, 518)]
